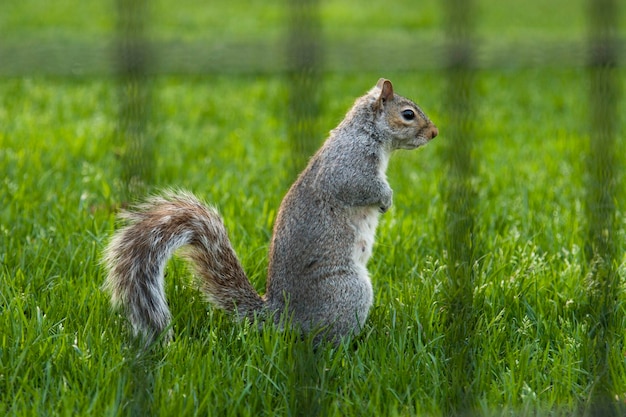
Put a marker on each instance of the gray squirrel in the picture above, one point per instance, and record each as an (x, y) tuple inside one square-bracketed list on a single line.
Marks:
[(322, 240)]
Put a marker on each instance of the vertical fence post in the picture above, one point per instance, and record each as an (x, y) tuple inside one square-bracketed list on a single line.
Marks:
[(460, 201), (132, 63), (603, 344), (304, 49), (132, 67)]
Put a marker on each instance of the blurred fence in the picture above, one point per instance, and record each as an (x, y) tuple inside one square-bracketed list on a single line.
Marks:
[(603, 280), (304, 57), (459, 198), (133, 59)]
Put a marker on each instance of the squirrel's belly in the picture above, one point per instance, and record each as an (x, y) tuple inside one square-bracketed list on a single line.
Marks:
[(365, 220)]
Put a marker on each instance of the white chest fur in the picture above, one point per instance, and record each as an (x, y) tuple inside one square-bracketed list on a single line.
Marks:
[(364, 222)]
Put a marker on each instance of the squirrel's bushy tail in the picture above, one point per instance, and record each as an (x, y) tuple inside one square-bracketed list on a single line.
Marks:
[(137, 255)]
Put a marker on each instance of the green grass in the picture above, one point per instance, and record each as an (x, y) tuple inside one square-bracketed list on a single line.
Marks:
[(64, 352)]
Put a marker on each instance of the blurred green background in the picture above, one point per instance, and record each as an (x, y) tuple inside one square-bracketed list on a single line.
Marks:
[(73, 37)]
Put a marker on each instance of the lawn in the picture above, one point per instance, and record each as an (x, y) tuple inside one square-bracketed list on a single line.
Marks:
[(529, 346)]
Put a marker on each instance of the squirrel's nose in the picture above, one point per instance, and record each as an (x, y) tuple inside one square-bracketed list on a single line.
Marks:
[(434, 132)]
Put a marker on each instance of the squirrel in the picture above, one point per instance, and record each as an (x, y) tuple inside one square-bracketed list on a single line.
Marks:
[(322, 236)]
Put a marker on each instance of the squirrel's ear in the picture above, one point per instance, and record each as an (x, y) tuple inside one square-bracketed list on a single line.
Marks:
[(386, 89)]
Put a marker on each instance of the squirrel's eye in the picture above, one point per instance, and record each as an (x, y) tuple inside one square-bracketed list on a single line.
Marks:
[(408, 114)]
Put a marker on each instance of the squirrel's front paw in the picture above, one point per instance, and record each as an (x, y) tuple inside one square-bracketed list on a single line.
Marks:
[(386, 200)]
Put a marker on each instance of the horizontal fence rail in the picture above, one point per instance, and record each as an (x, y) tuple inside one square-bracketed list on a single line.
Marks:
[(82, 58)]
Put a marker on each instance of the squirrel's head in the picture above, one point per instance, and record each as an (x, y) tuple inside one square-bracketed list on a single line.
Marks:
[(404, 123)]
